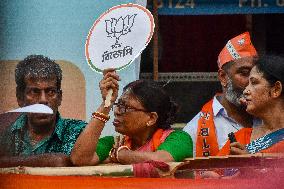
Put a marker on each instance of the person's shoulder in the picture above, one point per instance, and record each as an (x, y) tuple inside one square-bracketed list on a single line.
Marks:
[(193, 123), (107, 139), (194, 119), (67, 129), (179, 134), (73, 121), (179, 138), (68, 123)]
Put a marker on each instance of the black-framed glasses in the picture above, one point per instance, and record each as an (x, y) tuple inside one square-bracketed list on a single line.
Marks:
[(123, 108)]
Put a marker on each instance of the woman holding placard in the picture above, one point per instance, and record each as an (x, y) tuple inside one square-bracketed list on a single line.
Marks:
[(143, 116)]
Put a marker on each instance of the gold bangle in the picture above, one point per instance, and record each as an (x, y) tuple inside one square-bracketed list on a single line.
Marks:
[(99, 118), (118, 149), (102, 115), (112, 153)]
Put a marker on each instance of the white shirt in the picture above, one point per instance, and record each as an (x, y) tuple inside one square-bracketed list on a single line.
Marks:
[(223, 124)]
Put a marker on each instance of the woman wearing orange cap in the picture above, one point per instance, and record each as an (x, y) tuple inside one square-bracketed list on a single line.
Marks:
[(264, 97)]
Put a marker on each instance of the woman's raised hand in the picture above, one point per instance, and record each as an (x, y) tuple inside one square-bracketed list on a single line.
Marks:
[(109, 81)]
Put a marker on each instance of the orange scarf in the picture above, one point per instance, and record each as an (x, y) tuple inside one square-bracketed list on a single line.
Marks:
[(242, 136), (206, 142), (159, 137)]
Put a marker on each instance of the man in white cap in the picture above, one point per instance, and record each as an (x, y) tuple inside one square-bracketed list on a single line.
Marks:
[(224, 114)]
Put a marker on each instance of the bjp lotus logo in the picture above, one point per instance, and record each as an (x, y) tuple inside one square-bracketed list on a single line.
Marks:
[(115, 28)]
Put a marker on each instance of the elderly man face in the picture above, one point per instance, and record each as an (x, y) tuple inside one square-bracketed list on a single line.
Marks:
[(38, 81), (236, 79), (41, 91)]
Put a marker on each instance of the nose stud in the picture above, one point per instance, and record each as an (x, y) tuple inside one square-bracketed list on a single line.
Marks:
[(247, 91)]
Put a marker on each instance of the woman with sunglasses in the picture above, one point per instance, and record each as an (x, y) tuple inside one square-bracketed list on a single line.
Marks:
[(143, 115)]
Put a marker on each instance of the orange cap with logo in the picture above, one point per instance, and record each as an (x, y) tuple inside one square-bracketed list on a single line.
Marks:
[(238, 47)]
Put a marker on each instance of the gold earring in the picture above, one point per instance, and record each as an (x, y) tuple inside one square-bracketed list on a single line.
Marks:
[(148, 124)]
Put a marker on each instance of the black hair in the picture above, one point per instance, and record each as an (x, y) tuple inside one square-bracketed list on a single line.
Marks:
[(272, 68), (154, 99), (38, 67)]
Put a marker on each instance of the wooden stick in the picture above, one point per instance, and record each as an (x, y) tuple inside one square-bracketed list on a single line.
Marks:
[(108, 98), (155, 42)]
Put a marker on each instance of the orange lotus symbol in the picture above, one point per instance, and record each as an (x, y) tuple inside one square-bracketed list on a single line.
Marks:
[(115, 28)]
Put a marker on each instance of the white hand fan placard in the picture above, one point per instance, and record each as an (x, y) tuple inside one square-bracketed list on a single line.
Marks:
[(117, 37), (34, 108)]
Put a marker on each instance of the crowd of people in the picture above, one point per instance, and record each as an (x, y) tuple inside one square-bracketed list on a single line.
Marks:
[(245, 118)]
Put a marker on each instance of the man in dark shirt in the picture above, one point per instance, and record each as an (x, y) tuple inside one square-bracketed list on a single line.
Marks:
[(39, 139)]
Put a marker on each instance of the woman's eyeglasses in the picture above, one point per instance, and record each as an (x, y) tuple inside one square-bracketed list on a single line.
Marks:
[(122, 108)]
